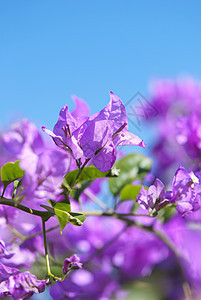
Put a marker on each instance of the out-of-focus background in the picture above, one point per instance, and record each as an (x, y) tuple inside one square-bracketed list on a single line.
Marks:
[(52, 49)]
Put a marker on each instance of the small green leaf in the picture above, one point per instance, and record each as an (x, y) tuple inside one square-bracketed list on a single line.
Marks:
[(77, 219), (64, 215), (11, 172), (16, 183), (132, 167), (88, 173)]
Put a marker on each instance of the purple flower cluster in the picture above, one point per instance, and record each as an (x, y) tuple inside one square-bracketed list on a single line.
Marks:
[(22, 286), (185, 193), (178, 125), (79, 137), (95, 137), (106, 267), (154, 198), (123, 245), (18, 285), (44, 166)]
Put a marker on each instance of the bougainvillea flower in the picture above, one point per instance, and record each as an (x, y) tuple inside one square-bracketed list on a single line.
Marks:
[(6, 271), (71, 262), (22, 137), (44, 174), (189, 134), (186, 191), (97, 137), (65, 133), (3, 250), (66, 130), (154, 197), (104, 131), (22, 286), (81, 111)]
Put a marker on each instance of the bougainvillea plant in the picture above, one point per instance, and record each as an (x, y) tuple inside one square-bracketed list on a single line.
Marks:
[(84, 221)]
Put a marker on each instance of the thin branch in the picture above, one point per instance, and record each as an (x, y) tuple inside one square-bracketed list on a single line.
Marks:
[(43, 214), (40, 232)]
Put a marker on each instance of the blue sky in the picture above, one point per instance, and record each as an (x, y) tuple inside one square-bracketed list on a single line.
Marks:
[(52, 49)]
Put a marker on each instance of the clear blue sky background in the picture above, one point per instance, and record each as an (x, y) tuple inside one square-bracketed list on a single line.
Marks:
[(52, 49)]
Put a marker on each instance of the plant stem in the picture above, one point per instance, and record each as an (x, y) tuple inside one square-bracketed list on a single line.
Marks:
[(78, 174), (111, 213), (46, 251), (43, 214), (49, 273)]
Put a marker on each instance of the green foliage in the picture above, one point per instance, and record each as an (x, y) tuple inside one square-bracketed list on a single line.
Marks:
[(129, 192), (166, 213), (11, 172), (76, 192), (88, 173), (63, 214), (77, 219), (132, 167)]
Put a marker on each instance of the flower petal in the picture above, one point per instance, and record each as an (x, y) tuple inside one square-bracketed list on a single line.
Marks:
[(65, 119), (105, 159), (128, 138)]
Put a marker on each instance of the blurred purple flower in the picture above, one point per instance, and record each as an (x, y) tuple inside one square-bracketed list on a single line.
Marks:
[(6, 271), (186, 191), (189, 134), (86, 285), (111, 266), (178, 103), (186, 237), (44, 174), (71, 262), (65, 290), (22, 286), (4, 252), (22, 138)]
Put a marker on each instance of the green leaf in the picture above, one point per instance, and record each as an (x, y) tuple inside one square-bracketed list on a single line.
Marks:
[(88, 173), (77, 219), (76, 192), (132, 167), (11, 172), (64, 215), (130, 192)]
